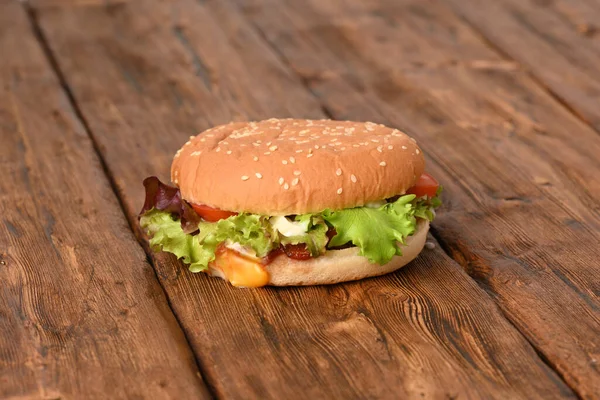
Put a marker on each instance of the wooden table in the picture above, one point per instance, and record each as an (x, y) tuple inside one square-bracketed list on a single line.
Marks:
[(503, 96)]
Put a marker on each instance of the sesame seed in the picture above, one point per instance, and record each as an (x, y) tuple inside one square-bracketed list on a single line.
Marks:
[(188, 143), (338, 171), (413, 139), (297, 173), (280, 181), (390, 147), (353, 178), (196, 153), (225, 142), (292, 160), (244, 178), (203, 139), (258, 175), (218, 149), (383, 164), (355, 145), (255, 158), (342, 148), (404, 147), (339, 191), (176, 181), (374, 140), (417, 151), (380, 149), (317, 146), (228, 151), (286, 186), (268, 143), (191, 137), (255, 144), (334, 140), (309, 155), (284, 162), (267, 153), (295, 181), (273, 148)]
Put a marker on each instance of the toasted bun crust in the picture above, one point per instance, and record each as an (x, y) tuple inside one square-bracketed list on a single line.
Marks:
[(283, 167), (339, 265)]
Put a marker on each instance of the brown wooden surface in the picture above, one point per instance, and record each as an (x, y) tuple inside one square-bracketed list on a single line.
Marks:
[(81, 312), (521, 213), (520, 210), (558, 41)]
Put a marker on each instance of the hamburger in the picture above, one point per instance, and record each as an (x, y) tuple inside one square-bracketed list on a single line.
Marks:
[(293, 202)]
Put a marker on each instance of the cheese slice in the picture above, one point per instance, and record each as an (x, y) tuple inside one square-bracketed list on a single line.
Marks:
[(239, 270)]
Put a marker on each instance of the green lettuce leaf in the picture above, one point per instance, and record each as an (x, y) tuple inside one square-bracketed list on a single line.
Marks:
[(375, 231), (315, 237), (166, 234), (249, 230)]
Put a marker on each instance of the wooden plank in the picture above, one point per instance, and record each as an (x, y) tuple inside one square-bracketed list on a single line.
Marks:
[(428, 331), (558, 42), (520, 211), (82, 315)]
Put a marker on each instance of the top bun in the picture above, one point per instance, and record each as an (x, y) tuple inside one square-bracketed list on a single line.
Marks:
[(296, 166)]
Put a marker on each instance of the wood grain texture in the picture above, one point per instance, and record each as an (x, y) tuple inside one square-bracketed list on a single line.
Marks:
[(82, 315), (558, 41), (147, 75), (520, 171)]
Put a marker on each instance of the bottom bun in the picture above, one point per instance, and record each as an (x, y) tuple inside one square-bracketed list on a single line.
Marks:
[(342, 265)]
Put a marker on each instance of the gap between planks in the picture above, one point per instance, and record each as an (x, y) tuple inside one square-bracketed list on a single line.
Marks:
[(443, 245), (39, 35)]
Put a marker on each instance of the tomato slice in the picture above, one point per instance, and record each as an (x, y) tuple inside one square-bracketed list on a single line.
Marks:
[(426, 186), (211, 214)]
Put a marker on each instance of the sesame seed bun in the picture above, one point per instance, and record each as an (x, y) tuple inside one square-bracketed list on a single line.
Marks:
[(339, 265), (292, 166)]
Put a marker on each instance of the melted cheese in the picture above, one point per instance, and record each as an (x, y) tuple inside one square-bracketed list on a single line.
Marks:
[(241, 271)]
